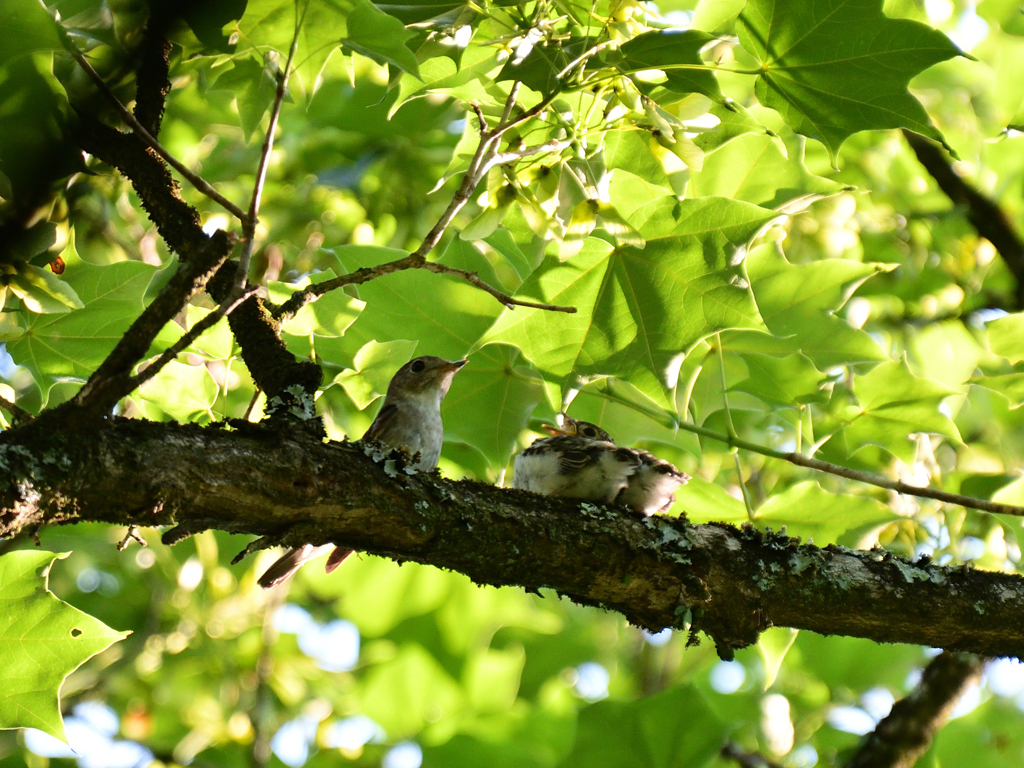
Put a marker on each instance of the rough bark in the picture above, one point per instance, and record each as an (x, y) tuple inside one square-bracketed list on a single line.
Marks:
[(288, 485), (985, 215), (905, 734)]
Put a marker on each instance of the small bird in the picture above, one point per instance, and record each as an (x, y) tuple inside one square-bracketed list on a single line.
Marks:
[(410, 419), (582, 461)]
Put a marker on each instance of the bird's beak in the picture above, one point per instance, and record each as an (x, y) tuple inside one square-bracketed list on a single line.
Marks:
[(553, 430), (454, 365)]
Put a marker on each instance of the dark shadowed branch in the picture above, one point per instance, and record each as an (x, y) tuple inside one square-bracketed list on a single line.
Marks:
[(905, 734), (985, 215), (290, 487), (140, 130)]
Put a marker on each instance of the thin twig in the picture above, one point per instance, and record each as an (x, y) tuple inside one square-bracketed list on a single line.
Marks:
[(672, 422), (131, 535), (197, 181), (18, 413), (510, 102), (474, 279), (900, 487), (249, 224), (197, 330), (484, 158)]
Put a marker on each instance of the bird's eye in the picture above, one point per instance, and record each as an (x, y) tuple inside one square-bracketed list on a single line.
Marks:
[(418, 365), (589, 432)]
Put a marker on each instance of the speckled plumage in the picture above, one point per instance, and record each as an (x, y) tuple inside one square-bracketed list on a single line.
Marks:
[(575, 467), (582, 461), (409, 419)]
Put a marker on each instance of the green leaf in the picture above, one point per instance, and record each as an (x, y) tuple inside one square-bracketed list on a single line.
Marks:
[(381, 37), (733, 121), (657, 731), (36, 133), (799, 305), (639, 310), (542, 68), (677, 52), (44, 641), (754, 169), (254, 86), (810, 512), (270, 25), (25, 27), (774, 643), (713, 15), (419, 11), (895, 404), (329, 316), (490, 402), (375, 364), (704, 502), (446, 314), (1006, 337), (72, 345), (833, 68), (782, 381), (1009, 385), (180, 391), (42, 291), (442, 75)]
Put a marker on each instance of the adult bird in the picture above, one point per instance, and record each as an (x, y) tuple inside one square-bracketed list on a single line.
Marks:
[(410, 419), (582, 461)]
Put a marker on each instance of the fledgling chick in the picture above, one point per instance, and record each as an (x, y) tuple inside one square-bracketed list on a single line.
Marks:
[(586, 465), (409, 419), (649, 488)]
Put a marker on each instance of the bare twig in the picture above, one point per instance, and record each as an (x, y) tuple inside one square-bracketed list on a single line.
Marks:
[(197, 330), (673, 422), (131, 535), (112, 379), (474, 279), (249, 223), (19, 414), (484, 158), (903, 735), (900, 487), (197, 181)]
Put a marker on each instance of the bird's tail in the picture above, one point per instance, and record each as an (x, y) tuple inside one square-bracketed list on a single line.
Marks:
[(289, 563), (338, 556)]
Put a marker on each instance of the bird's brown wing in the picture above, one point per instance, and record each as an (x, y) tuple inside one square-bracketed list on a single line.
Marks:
[(381, 423)]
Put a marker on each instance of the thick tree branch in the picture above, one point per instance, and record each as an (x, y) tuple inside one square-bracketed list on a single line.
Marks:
[(907, 731), (113, 380), (151, 76), (289, 384), (140, 130), (290, 486), (985, 215)]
